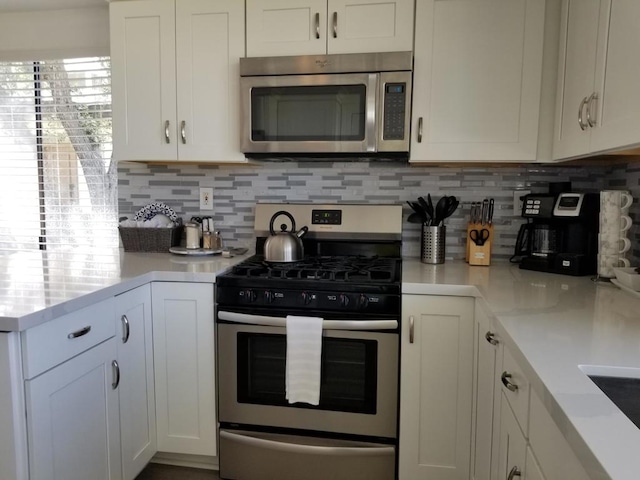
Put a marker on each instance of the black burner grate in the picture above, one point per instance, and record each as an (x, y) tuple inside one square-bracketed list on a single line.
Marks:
[(350, 269)]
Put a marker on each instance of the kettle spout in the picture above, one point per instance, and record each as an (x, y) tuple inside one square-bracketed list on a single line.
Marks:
[(302, 232)]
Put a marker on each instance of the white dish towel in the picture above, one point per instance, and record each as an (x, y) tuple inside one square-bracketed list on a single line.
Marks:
[(304, 351)]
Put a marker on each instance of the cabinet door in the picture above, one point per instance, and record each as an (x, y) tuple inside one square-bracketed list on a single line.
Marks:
[(576, 76), (73, 420), (486, 351), (210, 42), (513, 445), (286, 27), (143, 78), (477, 80), (362, 26), (436, 387), (137, 399), (183, 341), (617, 76), (533, 471)]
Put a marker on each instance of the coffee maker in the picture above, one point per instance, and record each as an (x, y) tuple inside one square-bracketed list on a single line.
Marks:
[(561, 233)]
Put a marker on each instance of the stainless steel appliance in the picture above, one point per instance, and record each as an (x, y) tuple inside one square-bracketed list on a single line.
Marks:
[(561, 235), (350, 277), (326, 104)]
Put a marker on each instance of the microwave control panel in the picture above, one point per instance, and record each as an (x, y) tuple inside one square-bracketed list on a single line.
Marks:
[(395, 97)]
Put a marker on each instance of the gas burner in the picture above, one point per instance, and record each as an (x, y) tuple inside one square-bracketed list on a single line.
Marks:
[(347, 269)]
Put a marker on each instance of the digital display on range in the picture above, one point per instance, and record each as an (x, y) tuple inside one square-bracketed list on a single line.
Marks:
[(326, 217)]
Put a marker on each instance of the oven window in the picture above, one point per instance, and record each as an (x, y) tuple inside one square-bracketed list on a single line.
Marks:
[(329, 113), (348, 372)]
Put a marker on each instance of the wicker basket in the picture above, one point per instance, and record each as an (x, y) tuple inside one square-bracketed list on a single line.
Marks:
[(150, 239)]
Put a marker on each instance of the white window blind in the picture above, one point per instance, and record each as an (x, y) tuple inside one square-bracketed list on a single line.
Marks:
[(57, 180)]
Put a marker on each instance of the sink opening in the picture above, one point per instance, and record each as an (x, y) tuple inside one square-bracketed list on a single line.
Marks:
[(623, 392)]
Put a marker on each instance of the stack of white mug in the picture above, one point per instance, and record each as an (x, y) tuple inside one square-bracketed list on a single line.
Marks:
[(613, 243)]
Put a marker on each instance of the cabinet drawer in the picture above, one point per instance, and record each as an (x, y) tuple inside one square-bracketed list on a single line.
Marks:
[(50, 344), (516, 389)]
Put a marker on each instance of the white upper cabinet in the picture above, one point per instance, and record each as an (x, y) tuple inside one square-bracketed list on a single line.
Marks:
[(477, 80), (175, 69), (317, 27), (597, 98)]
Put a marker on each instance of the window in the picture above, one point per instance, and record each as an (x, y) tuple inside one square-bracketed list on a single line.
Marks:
[(57, 179)]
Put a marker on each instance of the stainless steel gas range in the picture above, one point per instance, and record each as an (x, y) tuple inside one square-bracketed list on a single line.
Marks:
[(350, 278)]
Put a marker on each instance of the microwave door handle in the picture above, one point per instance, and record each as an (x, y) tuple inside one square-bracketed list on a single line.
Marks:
[(264, 320), (372, 112)]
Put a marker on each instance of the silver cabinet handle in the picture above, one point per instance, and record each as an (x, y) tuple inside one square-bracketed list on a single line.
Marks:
[(491, 338), (411, 329), (335, 24), (183, 131), (583, 126), (79, 333), (116, 374), (513, 473), (317, 25), (167, 138), (420, 130), (592, 98), (505, 381), (125, 329)]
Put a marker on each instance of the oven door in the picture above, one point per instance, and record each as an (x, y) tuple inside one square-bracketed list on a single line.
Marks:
[(359, 376), (309, 113)]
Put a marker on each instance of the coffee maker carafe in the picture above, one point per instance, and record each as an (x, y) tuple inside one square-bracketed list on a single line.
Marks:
[(561, 235)]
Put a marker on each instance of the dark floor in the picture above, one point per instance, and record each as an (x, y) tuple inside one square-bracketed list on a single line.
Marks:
[(156, 471)]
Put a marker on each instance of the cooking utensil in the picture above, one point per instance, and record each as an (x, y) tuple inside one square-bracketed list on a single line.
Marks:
[(419, 212), (284, 246), (479, 236), (441, 209), (428, 210), (490, 214)]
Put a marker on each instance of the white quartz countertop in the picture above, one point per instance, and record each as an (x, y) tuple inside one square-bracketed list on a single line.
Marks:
[(555, 324), (36, 287)]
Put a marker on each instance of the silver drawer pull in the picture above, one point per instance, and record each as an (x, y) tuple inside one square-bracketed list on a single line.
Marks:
[(335, 24), (513, 473), (491, 338), (583, 126), (80, 333), (126, 330), (505, 381), (411, 329), (317, 25), (167, 138), (590, 121), (116, 374)]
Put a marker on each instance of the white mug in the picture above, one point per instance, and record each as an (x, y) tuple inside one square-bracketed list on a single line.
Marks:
[(606, 264), (625, 223), (620, 199), (626, 245)]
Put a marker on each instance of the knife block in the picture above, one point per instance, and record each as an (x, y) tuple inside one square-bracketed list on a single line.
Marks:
[(479, 254)]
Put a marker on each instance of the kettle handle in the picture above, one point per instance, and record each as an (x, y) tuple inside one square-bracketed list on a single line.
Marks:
[(276, 215)]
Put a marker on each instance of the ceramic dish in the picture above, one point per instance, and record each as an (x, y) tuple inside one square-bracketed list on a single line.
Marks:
[(196, 252), (628, 277), (151, 210), (622, 286)]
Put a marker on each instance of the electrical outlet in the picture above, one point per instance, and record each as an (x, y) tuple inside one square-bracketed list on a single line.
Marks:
[(206, 198), (518, 200)]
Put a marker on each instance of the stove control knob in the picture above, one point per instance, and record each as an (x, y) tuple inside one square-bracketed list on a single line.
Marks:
[(344, 300), (269, 297), (363, 301), (250, 296), (306, 298)]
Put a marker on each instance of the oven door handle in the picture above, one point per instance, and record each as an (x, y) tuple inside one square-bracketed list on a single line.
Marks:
[(326, 324), (308, 449)]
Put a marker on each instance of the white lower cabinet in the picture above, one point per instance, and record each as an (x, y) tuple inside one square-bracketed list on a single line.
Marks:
[(184, 360), (73, 419), (436, 387), (486, 395), (513, 445), (137, 398)]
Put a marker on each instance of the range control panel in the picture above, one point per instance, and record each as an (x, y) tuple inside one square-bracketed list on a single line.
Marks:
[(326, 217)]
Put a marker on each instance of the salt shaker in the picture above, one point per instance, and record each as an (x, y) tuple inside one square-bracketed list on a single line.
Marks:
[(193, 235)]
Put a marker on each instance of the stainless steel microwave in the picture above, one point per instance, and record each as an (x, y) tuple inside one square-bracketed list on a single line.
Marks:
[(351, 104)]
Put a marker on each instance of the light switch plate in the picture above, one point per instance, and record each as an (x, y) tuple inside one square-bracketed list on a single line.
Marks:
[(206, 198)]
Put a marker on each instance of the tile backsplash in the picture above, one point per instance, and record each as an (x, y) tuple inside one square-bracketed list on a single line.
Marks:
[(236, 189)]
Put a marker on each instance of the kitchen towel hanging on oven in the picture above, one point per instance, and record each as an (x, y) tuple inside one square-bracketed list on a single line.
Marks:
[(304, 352)]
